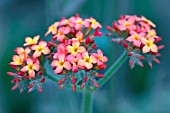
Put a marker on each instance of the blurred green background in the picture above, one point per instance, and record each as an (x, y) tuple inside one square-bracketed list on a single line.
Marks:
[(141, 90)]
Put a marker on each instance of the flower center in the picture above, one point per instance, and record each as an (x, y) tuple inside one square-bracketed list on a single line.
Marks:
[(75, 49), (151, 33), (30, 67), (136, 37), (100, 58), (149, 43), (60, 33), (87, 60), (60, 63), (39, 49), (79, 22), (93, 21), (127, 24)]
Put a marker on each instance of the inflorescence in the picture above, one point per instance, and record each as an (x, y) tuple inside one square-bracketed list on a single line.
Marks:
[(72, 54), (138, 36)]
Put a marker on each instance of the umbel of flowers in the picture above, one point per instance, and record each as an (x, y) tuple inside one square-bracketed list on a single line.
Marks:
[(138, 36), (72, 55)]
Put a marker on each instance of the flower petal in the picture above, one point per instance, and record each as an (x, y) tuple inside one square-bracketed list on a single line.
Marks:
[(88, 65), (93, 59), (67, 65), (29, 61), (154, 48), (54, 63), (31, 73), (145, 49), (36, 54), (42, 44), (46, 50), (59, 69), (24, 69)]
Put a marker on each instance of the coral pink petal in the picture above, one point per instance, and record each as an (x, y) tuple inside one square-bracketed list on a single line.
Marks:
[(154, 48), (24, 69), (34, 47), (67, 30), (104, 59), (59, 69), (29, 61), (54, 63), (100, 53), (81, 49), (81, 63), (36, 54), (15, 58), (137, 43), (85, 54), (60, 38), (144, 40), (61, 57), (46, 50), (37, 67), (145, 49), (88, 65), (43, 44), (19, 50), (130, 38), (67, 65), (93, 59), (31, 73)]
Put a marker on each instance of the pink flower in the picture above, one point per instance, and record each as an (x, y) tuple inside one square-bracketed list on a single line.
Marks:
[(74, 61), (94, 23), (62, 31), (148, 21), (52, 29), (75, 48), (151, 33), (61, 49), (30, 41), (60, 64), (20, 50), (65, 22), (127, 23), (79, 22), (135, 38), (100, 58), (18, 59), (31, 67), (87, 60), (79, 37), (40, 48), (149, 45)]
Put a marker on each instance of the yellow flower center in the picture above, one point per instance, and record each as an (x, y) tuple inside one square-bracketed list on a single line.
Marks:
[(126, 24), (79, 22), (30, 67), (151, 33), (39, 49), (60, 33), (87, 59), (75, 49), (136, 37), (149, 43), (94, 21), (60, 63), (100, 57)]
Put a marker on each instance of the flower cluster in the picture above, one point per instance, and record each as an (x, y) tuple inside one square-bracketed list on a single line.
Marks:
[(138, 36), (27, 65), (74, 53)]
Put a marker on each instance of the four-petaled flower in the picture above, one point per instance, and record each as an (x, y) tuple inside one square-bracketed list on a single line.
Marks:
[(18, 59), (135, 38), (149, 45), (30, 41), (75, 48), (87, 60), (31, 67), (40, 48), (100, 58), (60, 63)]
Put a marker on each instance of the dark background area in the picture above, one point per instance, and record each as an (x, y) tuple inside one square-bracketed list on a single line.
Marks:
[(141, 90)]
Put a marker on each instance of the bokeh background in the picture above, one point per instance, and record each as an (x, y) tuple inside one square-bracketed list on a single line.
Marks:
[(141, 90)]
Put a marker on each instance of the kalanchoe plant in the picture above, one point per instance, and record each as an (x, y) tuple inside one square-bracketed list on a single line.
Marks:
[(72, 54), (138, 36)]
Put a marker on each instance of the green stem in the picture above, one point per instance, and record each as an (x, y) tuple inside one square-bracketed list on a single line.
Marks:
[(87, 102), (112, 69)]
